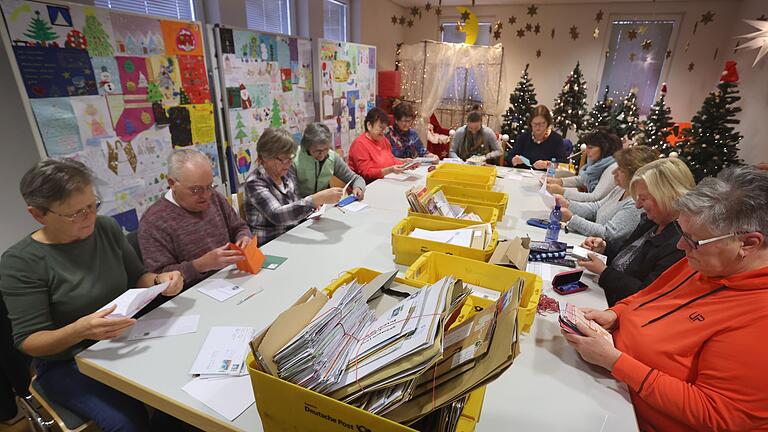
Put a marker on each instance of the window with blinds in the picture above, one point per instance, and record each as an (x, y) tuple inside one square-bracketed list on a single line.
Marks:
[(179, 9), (273, 16), (335, 20)]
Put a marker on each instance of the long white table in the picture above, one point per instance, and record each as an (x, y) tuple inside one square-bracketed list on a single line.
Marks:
[(547, 388)]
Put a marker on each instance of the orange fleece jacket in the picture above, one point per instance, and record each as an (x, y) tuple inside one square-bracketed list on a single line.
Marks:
[(368, 157), (697, 366)]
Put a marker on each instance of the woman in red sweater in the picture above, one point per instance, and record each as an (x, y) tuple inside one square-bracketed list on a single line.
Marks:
[(690, 346), (370, 154)]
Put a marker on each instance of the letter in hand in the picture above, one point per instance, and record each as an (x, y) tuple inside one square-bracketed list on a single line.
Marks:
[(606, 318), (328, 196), (175, 282), (593, 347), (541, 164), (97, 326), (594, 264)]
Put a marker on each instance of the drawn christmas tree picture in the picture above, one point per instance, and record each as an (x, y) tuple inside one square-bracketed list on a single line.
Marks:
[(275, 121), (40, 30), (153, 93), (99, 42), (240, 129)]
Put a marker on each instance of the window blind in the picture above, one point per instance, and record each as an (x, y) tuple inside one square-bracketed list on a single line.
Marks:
[(179, 9)]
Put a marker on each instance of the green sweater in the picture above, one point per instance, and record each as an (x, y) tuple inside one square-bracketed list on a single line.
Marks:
[(314, 176), (49, 286)]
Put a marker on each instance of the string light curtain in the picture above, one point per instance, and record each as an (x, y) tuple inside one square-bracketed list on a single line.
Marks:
[(429, 69)]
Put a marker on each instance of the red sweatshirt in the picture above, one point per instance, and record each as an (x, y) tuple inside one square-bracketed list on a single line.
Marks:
[(368, 157), (694, 351)]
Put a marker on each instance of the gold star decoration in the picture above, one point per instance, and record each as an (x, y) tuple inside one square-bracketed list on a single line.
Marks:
[(499, 25), (529, 27), (428, 6), (538, 53), (465, 15), (414, 11), (599, 16), (647, 45), (438, 11), (401, 21), (695, 27), (668, 54), (410, 23), (690, 67), (707, 17), (537, 28), (442, 28), (512, 20), (642, 29), (521, 33), (87, 71), (632, 56), (632, 34), (66, 74), (596, 33), (533, 10), (574, 31), (552, 34), (497, 34), (394, 19), (762, 18)]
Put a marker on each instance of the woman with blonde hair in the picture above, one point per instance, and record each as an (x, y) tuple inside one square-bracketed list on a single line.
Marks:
[(652, 247)]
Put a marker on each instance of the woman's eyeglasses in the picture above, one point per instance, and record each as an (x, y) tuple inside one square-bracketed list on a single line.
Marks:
[(694, 244), (82, 214)]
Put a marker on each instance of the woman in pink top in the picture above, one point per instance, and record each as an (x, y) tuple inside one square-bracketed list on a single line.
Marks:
[(370, 154)]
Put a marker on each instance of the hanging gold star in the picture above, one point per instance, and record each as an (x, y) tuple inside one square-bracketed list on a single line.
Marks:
[(401, 21), (497, 34), (512, 20), (642, 29), (465, 15), (521, 33), (442, 28), (647, 45), (538, 53), (552, 34), (668, 54), (529, 27), (632, 57), (414, 11), (690, 67), (537, 28), (596, 33), (532, 10), (410, 23), (707, 17), (574, 32), (394, 19), (428, 6), (632, 34), (599, 16), (499, 25)]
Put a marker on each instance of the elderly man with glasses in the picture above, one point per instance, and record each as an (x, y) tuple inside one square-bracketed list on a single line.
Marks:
[(190, 227)]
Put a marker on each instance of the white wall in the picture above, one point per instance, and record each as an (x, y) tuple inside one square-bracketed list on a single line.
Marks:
[(376, 29)]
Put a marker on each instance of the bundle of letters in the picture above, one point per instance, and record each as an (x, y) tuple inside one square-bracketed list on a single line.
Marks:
[(436, 204), (389, 348), (475, 236)]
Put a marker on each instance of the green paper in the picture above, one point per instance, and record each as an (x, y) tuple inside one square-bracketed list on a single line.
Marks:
[(271, 262)]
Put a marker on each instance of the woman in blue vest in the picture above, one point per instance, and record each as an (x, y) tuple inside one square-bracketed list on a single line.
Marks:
[(315, 164)]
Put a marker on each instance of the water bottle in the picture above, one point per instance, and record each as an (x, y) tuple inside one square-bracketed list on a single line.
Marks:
[(553, 229), (552, 168)]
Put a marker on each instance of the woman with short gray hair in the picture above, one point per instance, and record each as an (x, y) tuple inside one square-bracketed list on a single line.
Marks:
[(315, 164), (688, 346), (56, 281), (272, 202)]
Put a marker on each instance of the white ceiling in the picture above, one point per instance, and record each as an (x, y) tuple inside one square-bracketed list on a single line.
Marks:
[(420, 3)]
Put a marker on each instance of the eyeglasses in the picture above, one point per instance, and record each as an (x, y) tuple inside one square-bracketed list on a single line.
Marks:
[(694, 244), (285, 161), (538, 124), (405, 120), (197, 189), (81, 214)]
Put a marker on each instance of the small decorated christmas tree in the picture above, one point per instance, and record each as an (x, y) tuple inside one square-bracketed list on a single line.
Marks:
[(40, 30), (711, 143), (275, 121), (98, 40), (657, 127), (521, 103), (600, 115), (627, 117), (571, 104), (153, 92), (183, 97), (241, 135)]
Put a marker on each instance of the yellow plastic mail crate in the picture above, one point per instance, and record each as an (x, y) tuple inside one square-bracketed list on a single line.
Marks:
[(470, 415), (431, 267), (364, 275), (471, 169), (460, 178), (407, 249), (462, 195), (487, 214)]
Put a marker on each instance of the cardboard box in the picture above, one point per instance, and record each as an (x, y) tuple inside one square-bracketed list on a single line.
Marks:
[(512, 253)]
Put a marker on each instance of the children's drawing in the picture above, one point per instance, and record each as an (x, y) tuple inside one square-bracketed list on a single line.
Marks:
[(136, 35)]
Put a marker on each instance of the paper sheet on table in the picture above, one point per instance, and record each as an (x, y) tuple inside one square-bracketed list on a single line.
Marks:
[(540, 268), (152, 328), (460, 237), (355, 206), (229, 396), (547, 198), (218, 289), (223, 352), (131, 301), (319, 212)]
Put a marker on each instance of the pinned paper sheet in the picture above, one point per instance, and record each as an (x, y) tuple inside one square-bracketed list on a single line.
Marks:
[(547, 198), (253, 257)]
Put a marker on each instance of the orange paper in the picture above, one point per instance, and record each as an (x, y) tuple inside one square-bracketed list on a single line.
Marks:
[(254, 258), (182, 38)]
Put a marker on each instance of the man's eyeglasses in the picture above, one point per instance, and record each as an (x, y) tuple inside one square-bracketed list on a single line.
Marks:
[(197, 189), (694, 244), (81, 214)]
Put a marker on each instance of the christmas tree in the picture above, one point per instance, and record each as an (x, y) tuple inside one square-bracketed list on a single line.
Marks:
[(40, 30), (570, 104), (627, 117), (153, 93), (711, 143), (183, 97), (521, 102), (240, 128), (275, 121), (99, 42), (657, 126), (600, 114)]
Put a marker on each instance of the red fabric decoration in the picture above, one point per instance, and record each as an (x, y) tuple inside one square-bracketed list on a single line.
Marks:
[(730, 74), (389, 84), (664, 88)]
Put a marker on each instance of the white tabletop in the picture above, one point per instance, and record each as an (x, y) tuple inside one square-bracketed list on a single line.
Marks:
[(547, 388)]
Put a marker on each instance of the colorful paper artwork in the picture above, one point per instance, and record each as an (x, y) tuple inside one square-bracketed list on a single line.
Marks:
[(133, 75), (93, 119), (58, 125), (107, 75), (137, 35), (285, 75), (134, 119), (166, 80), (203, 126), (182, 38), (55, 72), (243, 161), (341, 71), (97, 30), (194, 78), (212, 152), (227, 41), (180, 126)]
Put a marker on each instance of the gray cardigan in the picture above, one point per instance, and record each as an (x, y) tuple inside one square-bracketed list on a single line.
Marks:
[(609, 218), (489, 137)]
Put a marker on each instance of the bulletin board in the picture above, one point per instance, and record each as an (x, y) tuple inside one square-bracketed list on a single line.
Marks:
[(114, 90), (346, 88), (266, 81)]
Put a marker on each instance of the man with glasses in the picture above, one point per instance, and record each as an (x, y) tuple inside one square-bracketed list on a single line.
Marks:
[(190, 227)]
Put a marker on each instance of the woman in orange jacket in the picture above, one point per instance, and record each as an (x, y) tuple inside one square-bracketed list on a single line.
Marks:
[(691, 346)]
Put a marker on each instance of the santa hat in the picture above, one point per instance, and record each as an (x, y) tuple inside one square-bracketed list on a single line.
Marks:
[(242, 86), (730, 74)]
